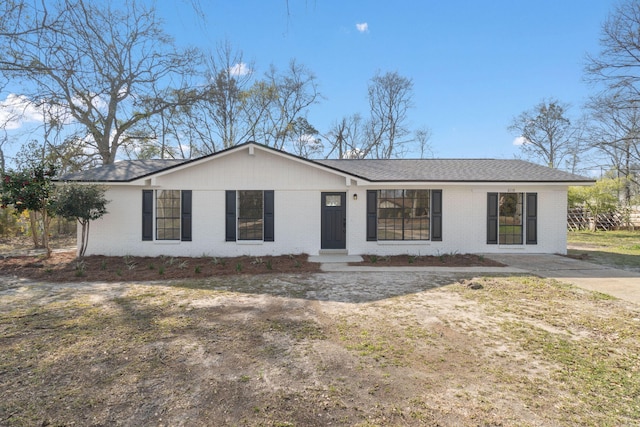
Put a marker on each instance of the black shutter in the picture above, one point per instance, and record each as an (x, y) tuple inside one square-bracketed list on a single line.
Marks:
[(436, 215), (492, 218), (268, 216), (230, 214), (532, 218), (372, 215), (185, 216), (147, 214)]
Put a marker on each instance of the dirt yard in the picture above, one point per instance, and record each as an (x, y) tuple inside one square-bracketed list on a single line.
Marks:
[(317, 349)]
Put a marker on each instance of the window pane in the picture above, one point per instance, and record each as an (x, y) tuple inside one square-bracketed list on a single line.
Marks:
[(510, 218), (389, 229), (403, 215), (333, 200), (168, 215), (250, 215)]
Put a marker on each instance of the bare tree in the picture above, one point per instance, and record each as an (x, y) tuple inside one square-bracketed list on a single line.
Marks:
[(615, 111), (290, 93), (109, 69), (304, 139), (547, 135), (347, 139), (230, 79), (618, 63), (390, 98), (422, 137), (615, 132)]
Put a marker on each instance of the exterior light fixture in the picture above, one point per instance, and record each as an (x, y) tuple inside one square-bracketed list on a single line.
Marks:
[(355, 197)]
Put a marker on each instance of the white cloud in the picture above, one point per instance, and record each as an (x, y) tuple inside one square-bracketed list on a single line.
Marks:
[(363, 27), (521, 140), (240, 69), (356, 153), (309, 139), (16, 110), (96, 101)]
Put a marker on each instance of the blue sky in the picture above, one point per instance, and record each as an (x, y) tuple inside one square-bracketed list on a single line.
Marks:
[(474, 64)]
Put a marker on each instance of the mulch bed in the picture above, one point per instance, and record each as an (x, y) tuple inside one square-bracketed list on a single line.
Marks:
[(65, 267), (446, 260)]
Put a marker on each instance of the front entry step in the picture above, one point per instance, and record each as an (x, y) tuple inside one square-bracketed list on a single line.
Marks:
[(337, 256), (333, 252)]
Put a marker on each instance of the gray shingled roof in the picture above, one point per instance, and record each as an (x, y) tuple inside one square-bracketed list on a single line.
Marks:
[(431, 170), (123, 171), (452, 170)]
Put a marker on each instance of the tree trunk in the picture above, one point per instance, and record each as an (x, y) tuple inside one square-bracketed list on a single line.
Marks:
[(45, 232), (34, 228)]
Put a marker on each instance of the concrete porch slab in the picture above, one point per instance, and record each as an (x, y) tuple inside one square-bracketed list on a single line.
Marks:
[(335, 258)]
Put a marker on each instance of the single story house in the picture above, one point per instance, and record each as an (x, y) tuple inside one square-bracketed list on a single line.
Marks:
[(255, 200)]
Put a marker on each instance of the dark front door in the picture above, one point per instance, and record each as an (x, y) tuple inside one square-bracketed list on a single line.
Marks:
[(334, 221)]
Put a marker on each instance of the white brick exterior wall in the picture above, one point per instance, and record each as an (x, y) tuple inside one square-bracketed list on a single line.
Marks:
[(297, 188)]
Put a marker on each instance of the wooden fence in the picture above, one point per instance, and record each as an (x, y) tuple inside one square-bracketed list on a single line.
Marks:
[(579, 218)]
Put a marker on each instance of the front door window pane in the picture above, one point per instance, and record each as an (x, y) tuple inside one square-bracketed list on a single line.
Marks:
[(333, 200)]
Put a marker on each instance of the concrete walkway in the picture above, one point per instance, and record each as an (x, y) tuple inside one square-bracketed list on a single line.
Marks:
[(612, 281), (618, 283)]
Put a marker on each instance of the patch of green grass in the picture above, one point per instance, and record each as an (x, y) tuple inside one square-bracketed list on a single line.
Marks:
[(298, 330), (610, 239), (618, 248), (379, 345)]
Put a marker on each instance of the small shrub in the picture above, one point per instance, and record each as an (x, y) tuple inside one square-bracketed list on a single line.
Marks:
[(239, 267), (411, 259), (269, 265), (373, 259), (103, 265), (198, 270), (119, 272), (152, 267), (80, 268), (217, 261), (161, 270)]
